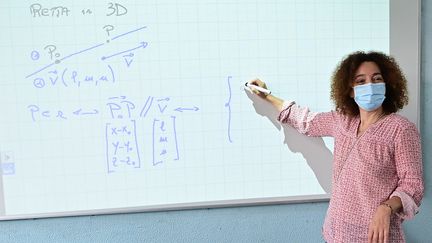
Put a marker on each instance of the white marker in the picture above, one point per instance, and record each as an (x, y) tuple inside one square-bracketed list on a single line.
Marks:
[(260, 89)]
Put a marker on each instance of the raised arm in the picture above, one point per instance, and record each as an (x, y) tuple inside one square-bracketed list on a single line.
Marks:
[(315, 124)]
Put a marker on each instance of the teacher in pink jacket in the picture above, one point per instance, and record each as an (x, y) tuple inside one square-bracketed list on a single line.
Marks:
[(377, 166)]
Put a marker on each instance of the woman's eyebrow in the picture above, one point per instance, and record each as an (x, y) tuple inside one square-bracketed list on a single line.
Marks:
[(361, 75)]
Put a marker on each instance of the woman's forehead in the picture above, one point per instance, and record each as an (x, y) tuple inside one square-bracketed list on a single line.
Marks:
[(367, 68)]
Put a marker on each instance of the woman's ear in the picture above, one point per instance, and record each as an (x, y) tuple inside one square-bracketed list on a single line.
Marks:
[(352, 93)]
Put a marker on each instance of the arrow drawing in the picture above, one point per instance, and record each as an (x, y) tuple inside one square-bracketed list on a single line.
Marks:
[(181, 109)]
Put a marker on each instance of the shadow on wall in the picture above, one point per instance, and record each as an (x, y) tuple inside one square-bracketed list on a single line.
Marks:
[(313, 149)]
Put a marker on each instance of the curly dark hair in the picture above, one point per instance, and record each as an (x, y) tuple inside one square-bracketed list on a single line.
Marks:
[(343, 77)]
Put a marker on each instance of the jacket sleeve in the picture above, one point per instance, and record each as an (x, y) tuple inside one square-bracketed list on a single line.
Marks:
[(315, 124), (408, 160)]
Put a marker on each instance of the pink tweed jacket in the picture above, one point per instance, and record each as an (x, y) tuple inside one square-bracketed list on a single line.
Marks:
[(384, 161)]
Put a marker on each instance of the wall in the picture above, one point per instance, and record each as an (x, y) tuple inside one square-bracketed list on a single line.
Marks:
[(279, 223), (419, 229)]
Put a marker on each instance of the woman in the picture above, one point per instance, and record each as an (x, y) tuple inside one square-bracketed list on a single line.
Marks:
[(377, 166)]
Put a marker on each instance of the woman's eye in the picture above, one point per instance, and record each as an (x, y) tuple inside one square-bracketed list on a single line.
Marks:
[(378, 78), (359, 81)]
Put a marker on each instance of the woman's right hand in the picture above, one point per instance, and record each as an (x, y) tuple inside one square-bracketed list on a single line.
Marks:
[(259, 83), (275, 101)]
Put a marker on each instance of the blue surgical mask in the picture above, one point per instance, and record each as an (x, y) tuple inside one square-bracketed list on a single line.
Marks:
[(369, 96)]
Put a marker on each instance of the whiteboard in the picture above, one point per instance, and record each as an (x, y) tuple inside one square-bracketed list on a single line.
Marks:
[(128, 106)]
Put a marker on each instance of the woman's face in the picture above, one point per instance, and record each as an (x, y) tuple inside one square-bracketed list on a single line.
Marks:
[(367, 72)]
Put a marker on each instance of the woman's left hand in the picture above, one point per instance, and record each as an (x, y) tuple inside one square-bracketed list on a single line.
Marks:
[(379, 227)]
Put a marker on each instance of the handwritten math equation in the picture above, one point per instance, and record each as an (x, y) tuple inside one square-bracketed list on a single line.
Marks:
[(121, 140), (58, 69), (59, 73), (122, 150)]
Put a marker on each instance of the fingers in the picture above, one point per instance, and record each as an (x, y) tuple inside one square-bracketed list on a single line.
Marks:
[(377, 236), (386, 235), (258, 87), (258, 82), (373, 236), (379, 227), (381, 237), (255, 82), (370, 235)]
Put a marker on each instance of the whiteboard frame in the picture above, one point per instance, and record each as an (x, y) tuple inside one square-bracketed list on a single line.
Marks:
[(405, 33), (178, 206)]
